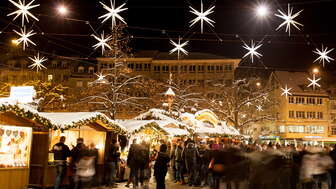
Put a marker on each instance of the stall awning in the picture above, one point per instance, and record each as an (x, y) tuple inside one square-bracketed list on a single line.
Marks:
[(67, 120)]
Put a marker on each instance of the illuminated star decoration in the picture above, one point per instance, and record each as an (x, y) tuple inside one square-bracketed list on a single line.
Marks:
[(259, 108), (100, 78), (252, 51), (286, 91), (179, 47), (313, 82), (62, 98), (37, 62), (323, 55), (102, 42), (113, 13), (202, 16), (24, 37), (23, 10), (288, 19)]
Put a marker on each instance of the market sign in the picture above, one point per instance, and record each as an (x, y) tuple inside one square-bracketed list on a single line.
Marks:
[(22, 94)]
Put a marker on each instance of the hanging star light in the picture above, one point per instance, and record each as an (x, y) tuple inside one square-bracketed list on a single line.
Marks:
[(313, 82), (179, 47), (252, 51), (62, 98), (286, 91), (259, 108), (113, 13), (323, 55), (100, 78), (202, 16), (37, 62), (102, 42), (24, 37), (289, 19), (23, 10)]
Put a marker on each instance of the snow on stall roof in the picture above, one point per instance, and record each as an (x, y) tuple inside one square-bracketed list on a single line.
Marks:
[(132, 125), (159, 114), (65, 119), (172, 131)]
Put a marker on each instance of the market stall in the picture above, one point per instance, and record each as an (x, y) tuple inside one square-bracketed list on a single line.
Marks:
[(23, 133), (95, 128)]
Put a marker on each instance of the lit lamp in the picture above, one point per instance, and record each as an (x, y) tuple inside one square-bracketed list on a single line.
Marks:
[(62, 10), (258, 84), (262, 11), (14, 42), (316, 71)]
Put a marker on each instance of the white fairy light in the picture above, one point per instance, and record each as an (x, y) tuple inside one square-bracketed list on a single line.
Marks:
[(100, 77), (102, 42), (24, 37), (286, 91), (179, 47), (259, 108), (289, 19), (323, 55), (113, 13), (37, 62), (62, 98), (252, 51), (202, 16), (313, 82), (23, 10)]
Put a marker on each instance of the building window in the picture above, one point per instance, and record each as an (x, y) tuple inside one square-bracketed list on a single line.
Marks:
[(228, 67), (315, 129), (156, 68), (319, 101), (138, 67), (192, 68), (319, 115), (174, 69), (310, 100), (219, 68), (200, 68), (295, 128), (54, 64), (184, 68), (91, 69), (291, 100), (131, 66), (49, 77), (300, 114), (291, 114), (333, 130), (300, 100), (81, 69), (79, 84), (165, 68), (311, 115), (282, 129), (147, 67)]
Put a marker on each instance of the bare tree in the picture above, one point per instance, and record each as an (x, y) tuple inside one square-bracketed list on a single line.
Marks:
[(243, 103)]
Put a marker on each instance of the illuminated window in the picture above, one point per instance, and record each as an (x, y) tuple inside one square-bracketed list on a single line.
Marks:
[(291, 114), (319, 115), (291, 100), (296, 128), (91, 69), (50, 77), (79, 84), (282, 129), (81, 69)]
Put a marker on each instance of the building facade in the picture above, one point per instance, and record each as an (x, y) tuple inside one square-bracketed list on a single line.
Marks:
[(305, 114)]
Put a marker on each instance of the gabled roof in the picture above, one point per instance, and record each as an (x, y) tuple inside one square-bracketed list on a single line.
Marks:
[(298, 82)]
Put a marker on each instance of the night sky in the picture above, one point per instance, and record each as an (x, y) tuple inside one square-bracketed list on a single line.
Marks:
[(153, 22)]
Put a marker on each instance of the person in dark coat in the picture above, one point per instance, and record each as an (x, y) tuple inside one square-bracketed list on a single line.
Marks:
[(112, 163), (191, 157), (61, 153), (161, 167), (132, 162)]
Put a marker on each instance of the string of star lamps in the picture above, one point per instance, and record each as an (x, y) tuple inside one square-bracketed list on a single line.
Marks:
[(202, 16)]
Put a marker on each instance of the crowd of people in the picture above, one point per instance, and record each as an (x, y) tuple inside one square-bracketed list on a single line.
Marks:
[(209, 164)]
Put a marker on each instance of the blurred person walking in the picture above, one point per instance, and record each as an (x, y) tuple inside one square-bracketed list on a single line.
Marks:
[(161, 167)]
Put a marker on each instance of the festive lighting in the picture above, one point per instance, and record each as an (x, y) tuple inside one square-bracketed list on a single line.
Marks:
[(179, 47), (37, 62), (62, 98), (202, 16), (15, 42), (100, 78), (316, 71), (323, 55), (259, 108), (113, 13), (23, 10), (262, 10), (102, 42), (289, 19), (62, 10), (313, 82), (286, 91), (252, 51), (24, 37)]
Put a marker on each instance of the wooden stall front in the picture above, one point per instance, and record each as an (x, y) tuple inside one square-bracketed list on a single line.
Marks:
[(20, 143), (95, 131)]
